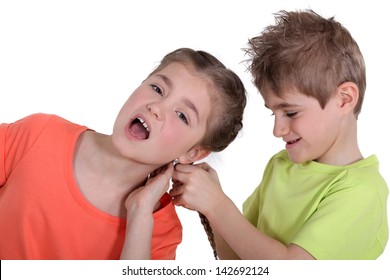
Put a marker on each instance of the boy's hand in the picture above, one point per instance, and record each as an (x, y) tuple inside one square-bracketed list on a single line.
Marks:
[(196, 187)]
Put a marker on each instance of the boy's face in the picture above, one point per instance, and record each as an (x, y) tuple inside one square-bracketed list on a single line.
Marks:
[(164, 118), (310, 132)]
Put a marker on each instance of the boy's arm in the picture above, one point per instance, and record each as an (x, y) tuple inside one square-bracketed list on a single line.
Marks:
[(246, 240), (224, 251), (200, 190)]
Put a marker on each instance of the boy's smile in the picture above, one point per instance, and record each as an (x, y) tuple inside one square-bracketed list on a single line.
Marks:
[(291, 143), (310, 132)]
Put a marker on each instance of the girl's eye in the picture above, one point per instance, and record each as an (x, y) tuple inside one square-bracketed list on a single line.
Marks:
[(291, 114), (182, 117), (157, 89)]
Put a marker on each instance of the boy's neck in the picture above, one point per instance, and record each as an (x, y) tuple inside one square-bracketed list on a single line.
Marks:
[(347, 157), (346, 149)]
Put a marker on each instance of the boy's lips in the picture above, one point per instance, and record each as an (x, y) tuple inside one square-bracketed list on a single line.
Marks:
[(290, 143)]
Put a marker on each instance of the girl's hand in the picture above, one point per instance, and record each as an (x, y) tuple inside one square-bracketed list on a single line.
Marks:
[(196, 187), (148, 196), (140, 205)]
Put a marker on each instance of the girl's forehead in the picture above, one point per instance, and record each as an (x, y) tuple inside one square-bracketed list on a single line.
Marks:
[(193, 89), (180, 74), (176, 66)]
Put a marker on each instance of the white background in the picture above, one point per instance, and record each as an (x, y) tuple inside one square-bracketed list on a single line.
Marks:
[(82, 59)]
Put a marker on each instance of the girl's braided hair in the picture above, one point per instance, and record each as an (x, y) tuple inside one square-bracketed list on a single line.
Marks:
[(228, 96), (209, 232)]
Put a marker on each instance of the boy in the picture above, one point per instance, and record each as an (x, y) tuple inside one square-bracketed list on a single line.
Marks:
[(319, 198)]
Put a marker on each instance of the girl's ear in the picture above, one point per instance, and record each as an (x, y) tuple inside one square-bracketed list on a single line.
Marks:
[(195, 154), (348, 94)]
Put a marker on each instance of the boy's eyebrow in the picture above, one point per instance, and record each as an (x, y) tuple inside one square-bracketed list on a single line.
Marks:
[(281, 105), (187, 102)]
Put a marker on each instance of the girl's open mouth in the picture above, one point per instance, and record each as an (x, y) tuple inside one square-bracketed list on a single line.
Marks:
[(139, 128)]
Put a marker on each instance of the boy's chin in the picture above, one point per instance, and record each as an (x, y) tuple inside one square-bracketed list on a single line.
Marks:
[(297, 159)]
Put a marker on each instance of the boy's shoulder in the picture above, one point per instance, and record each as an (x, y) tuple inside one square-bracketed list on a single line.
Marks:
[(281, 155), (279, 159), (360, 169)]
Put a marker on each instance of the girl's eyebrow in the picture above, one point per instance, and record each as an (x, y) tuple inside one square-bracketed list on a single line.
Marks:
[(165, 79), (192, 106), (187, 102)]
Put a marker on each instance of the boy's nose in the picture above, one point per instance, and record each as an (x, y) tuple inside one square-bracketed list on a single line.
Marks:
[(281, 128)]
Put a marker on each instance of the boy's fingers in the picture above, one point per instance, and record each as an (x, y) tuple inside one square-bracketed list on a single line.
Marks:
[(176, 190), (204, 165), (185, 168), (178, 201)]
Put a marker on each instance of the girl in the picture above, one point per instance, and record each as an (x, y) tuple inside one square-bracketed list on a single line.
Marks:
[(68, 192)]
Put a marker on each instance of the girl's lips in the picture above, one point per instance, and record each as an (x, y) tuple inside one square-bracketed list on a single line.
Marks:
[(138, 128)]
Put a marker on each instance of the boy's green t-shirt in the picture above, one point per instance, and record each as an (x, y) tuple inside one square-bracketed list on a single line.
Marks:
[(333, 212)]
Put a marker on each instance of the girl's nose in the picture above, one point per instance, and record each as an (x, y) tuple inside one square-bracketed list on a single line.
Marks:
[(156, 109)]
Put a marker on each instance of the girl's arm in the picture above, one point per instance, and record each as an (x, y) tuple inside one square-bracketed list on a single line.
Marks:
[(140, 205), (199, 189)]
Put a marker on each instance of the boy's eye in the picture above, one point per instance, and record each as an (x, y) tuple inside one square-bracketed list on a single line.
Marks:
[(291, 114), (182, 117), (157, 89)]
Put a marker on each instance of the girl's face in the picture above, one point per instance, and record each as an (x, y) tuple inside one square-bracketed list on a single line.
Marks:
[(310, 132), (165, 117)]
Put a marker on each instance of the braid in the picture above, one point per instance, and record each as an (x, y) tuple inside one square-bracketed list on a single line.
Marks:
[(209, 232)]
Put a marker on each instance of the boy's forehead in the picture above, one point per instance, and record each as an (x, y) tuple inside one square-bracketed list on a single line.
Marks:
[(285, 100)]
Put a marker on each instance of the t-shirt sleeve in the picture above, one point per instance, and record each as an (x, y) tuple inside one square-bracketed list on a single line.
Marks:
[(167, 231), (3, 133), (347, 225), (16, 139), (251, 207)]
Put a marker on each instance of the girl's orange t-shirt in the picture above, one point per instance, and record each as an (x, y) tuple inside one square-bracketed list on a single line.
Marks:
[(43, 214)]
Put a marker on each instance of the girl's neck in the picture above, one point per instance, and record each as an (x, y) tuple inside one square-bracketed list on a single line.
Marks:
[(103, 176)]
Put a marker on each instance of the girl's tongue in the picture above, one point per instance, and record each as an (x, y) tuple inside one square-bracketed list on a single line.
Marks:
[(138, 130)]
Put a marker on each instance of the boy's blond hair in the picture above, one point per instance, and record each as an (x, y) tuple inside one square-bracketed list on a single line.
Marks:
[(308, 53)]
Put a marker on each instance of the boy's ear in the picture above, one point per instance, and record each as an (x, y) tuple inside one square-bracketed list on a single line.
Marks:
[(195, 154), (348, 95)]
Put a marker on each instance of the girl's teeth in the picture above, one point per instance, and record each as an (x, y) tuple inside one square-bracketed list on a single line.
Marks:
[(144, 124)]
